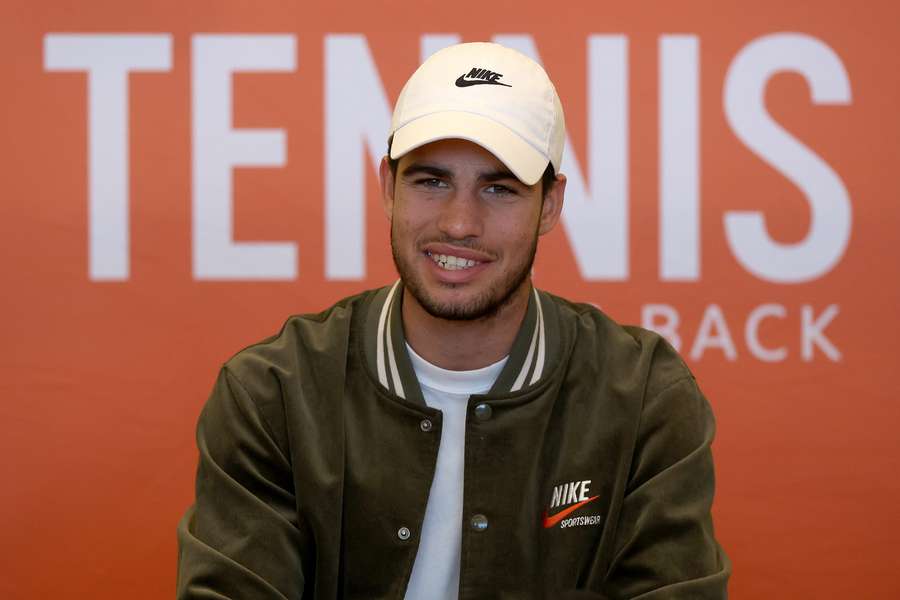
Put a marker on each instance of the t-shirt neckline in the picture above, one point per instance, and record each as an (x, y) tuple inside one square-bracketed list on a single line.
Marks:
[(475, 381)]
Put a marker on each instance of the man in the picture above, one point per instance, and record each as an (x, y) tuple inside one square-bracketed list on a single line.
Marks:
[(458, 433)]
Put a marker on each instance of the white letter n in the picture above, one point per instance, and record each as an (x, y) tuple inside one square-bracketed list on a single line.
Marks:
[(357, 117)]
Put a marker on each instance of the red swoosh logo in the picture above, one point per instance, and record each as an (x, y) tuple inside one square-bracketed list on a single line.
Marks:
[(551, 521)]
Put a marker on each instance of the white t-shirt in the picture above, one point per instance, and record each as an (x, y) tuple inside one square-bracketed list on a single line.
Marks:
[(435, 573)]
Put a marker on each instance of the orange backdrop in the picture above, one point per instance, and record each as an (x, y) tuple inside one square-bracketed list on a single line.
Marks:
[(114, 329)]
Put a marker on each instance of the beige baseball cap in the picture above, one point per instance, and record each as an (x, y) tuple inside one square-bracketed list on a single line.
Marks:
[(488, 94)]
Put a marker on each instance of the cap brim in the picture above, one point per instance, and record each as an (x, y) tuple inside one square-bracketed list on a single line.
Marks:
[(525, 162)]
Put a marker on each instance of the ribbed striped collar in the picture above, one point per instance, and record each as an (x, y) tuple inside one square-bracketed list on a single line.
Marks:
[(386, 353)]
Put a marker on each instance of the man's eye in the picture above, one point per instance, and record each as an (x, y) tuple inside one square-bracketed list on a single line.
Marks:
[(499, 189), (432, 182)]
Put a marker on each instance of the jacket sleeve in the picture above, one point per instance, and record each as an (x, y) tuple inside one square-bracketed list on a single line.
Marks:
[(665, 547), (240, 538)]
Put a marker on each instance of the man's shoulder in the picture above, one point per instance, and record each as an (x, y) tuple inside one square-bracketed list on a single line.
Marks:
[(624, 351), (306, 341)]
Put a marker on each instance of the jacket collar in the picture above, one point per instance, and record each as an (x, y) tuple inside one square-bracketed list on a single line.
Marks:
[(385, 346)]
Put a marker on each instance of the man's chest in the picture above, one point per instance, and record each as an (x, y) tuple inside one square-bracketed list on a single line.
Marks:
[(542, 479)]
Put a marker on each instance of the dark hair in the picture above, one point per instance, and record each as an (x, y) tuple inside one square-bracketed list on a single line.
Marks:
[(547, 179)]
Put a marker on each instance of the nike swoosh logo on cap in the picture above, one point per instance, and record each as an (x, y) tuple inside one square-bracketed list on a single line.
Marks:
[(461, 81), (551, 521)]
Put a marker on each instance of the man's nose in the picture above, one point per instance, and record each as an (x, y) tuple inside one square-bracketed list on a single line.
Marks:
[(461, 216)]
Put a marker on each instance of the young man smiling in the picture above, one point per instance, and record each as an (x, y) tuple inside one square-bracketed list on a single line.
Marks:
[(458, 434), (464, 233)]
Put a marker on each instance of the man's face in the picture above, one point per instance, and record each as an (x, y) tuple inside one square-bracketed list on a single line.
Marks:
[(463, 229)]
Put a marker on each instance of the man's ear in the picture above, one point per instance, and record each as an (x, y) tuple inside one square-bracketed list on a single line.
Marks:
[(552, 205), (386, 181)]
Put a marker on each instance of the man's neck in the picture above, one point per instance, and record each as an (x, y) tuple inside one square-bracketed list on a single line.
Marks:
[(464, 345)]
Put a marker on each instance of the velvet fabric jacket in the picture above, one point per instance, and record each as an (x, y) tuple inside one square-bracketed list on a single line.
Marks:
[(588, 470)]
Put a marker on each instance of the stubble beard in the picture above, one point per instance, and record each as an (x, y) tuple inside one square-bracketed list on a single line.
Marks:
[(485, 306)]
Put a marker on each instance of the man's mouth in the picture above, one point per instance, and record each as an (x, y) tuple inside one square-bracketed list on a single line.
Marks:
[(452, 263)]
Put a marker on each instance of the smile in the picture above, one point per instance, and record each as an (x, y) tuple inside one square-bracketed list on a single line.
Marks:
[(452, 263)]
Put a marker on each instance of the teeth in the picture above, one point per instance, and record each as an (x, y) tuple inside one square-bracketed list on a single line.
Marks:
[(452, 263)]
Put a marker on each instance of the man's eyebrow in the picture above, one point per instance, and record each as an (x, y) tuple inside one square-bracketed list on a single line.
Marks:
[(498, 175), (435, 171), (421, 168)]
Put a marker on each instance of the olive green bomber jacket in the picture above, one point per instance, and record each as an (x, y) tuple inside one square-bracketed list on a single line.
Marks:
[(588, 470)]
